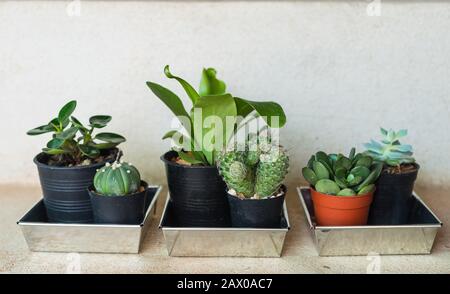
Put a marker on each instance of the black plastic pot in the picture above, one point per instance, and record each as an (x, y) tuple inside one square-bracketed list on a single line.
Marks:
[(128, 209), (256, 213), (65, 190), (393, 198), (198, 194)]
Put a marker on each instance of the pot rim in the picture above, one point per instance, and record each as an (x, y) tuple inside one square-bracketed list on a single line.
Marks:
[(169, 162), (283, 189), (92, 191), (344, 197), (81, 167)]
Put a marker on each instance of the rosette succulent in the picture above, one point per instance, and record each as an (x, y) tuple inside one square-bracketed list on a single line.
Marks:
[(390, 150), (336, 174), (257, 171), (117, 179)]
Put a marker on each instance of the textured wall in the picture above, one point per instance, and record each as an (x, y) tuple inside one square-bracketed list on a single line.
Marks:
[(338, 72)]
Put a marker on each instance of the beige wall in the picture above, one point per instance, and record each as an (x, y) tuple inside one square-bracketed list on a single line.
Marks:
[(338, 72)]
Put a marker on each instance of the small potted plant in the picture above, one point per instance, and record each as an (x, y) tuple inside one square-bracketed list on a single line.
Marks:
[(196, 189), (341, 187), (254, 177), (118, 195), (68, 163), (391, 203)]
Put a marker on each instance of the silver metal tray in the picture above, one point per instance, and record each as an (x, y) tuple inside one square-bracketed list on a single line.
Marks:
[(41, 235), (231, 242), (415, 237)]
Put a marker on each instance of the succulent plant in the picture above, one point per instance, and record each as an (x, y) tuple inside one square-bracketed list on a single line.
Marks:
[(255, 172), (390, 150), (68, 148), (336, 174), (117, 179)]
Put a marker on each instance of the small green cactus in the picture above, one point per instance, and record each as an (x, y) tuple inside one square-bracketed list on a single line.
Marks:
[(257, 173), (117, 179), (336, 174)]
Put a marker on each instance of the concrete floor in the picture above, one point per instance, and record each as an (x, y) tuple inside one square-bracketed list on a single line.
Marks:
[(299, 255)]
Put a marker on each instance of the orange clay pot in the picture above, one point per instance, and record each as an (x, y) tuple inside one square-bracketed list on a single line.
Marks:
[(333, 210)]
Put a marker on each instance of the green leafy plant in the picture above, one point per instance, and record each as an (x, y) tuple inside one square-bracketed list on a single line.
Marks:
[(72, 142), (212, 100), (257, 171), (117, 179), (390, 150), (336, 174)]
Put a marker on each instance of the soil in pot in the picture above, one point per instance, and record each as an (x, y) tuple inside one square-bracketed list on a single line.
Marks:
[(198, 194), (127, 209), (65, 188), (330, 210), (256, 213), (393, 197)]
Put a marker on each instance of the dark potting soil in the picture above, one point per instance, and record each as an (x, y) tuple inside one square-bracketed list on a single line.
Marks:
[(401, 169), (64, 160)]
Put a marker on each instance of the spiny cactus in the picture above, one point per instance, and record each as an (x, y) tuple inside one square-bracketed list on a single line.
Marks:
[(390, 150), (336, 174), (117, 179), (256, 172)]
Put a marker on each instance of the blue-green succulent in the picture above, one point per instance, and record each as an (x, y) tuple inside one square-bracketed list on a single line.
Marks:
[(390, 150)]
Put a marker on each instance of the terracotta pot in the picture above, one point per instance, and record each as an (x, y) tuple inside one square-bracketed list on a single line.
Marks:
[(333, 210)]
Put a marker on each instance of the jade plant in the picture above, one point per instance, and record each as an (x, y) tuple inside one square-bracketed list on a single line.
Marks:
[(201, 144), (117, 179), (257, 171), (389, 150), (73, 143), (336, 174)]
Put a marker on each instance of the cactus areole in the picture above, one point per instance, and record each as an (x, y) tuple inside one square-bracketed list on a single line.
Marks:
[(117, 179)]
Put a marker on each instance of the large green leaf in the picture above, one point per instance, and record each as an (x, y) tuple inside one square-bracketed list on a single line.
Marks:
[(89, 151), (67, 134), (99, 121), (66, 111), (171, 100), (110, 138), (209, 84), (212, 139), (190, 91), (55, 143), (41, 130), (54, 151), (266, 110)]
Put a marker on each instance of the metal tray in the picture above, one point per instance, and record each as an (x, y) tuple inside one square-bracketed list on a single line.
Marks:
[(231, 242), (41, 235), (415, 237)]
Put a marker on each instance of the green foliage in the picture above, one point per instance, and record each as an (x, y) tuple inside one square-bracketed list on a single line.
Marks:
[(336, 174), (65, 142), (260, 178), (390, 150), (117, 179), (212, 100)]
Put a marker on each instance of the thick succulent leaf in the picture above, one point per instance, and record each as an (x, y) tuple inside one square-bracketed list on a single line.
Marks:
[(342, 183), (209, 84), (401, 133), (361, 171), (322, 156), (346, 192), (79, 125), (310, 161), (99, 121), (352, 153), (367, 189), (110, 137), (383, 131), (66, 111), (89, 150), (67, 134), (402, 148), (54, 151), (190, 91), (41, 130), (327, 186), (320, 170), (267, 110), (104, 145), (55, 143), (309, 175)]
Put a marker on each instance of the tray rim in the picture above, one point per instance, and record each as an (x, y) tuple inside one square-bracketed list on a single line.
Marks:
[(322, 228), (146, 217), (165, 228)]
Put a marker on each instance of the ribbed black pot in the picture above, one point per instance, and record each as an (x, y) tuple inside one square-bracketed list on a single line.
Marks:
[(392, 199), (198, 194), (65, 190), (128, 209), (256, 213)]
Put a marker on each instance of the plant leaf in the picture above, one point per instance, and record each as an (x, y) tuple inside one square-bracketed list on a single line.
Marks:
[(209, 84), (267, 110), (110, 137), (41, 130), (189, 158), (66, 111), (99, 121), (67, 134), (54, 151), (190, 91), (55, 143), (89, 151)]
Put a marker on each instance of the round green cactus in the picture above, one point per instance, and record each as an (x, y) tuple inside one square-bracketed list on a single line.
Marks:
[(235, 173), (271, 171), (117, 179)]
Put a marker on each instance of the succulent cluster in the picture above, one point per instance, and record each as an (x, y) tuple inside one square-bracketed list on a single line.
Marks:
[(336, 174), (257, 171), (117, 179), (69, 148), (390, 150)]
